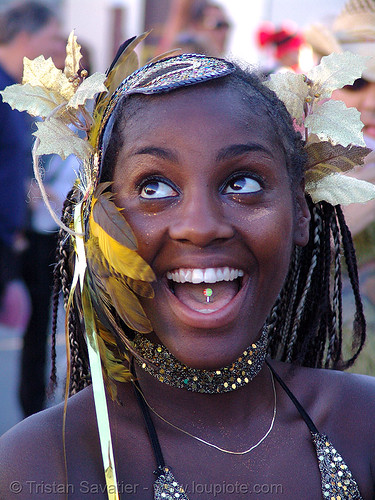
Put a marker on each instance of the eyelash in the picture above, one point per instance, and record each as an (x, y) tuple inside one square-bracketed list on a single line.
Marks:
[(236, 176), (154, 178), (241, 175)]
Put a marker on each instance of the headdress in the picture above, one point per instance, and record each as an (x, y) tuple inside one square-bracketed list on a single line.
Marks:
[(109, 274)]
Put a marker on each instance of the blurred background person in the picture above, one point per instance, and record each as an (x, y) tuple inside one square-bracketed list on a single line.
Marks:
[(197, 26), (354, 30), (27, 30)]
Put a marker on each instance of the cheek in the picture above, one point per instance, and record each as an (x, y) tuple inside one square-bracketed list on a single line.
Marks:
[(351, 99), (269, 235), (148, 230)]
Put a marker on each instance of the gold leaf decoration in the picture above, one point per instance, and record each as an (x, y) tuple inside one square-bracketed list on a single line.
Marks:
[(335, 71), (325, 158), (88, 89), (43, 73), (73, 56), (37, 101), (333, 121), (56, 137), (339, 189), (292, 90)]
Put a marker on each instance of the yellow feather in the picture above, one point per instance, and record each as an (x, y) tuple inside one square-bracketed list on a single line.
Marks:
[(127, 306), (108, 290)]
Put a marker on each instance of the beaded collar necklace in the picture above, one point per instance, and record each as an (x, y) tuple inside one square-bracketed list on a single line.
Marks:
[(161, 364)]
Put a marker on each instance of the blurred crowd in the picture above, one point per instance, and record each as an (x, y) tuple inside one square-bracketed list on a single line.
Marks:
[(27, 234)]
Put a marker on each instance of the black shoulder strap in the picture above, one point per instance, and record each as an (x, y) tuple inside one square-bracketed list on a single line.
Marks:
[(310, 424), (149, 424)]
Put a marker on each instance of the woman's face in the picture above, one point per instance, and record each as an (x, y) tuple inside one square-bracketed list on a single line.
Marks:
[(204, 186)]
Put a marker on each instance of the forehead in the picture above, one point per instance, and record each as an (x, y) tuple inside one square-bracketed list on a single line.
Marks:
[(210, 114)]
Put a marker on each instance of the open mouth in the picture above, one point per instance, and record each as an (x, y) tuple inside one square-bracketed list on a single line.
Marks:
[(205, 290)]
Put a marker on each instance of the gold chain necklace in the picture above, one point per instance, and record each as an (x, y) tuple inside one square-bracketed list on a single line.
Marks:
[(207, 442)]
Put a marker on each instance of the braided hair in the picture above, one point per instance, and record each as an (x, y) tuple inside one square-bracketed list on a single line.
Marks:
[(305, 323)]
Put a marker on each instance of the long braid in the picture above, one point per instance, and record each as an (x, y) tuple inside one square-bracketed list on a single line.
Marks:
[(62, 281), (359, 323), (335, 340), (57, 287), (301, 304)]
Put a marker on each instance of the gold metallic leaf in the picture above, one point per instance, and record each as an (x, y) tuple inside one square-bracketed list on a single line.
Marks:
[(335, 71), (325, 158), (340, 189), (292, 90), (333, 121), (37, 101), (73, 56), (87, 90), (55, 137), (44, 73)]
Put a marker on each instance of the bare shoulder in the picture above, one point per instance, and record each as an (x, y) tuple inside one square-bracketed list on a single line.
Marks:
[(341, 404), (32, 452)]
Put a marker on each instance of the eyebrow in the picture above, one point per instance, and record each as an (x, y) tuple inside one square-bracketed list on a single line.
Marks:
[(235, 150), (164, 154), (226, 153)]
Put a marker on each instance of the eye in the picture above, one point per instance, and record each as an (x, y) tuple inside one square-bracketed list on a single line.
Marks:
[(154, 189), (242, 184)]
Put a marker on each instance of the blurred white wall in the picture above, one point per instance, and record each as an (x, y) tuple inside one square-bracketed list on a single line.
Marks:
[(92, 21)]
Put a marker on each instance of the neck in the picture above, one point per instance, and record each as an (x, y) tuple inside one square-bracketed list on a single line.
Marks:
[(205, 410)]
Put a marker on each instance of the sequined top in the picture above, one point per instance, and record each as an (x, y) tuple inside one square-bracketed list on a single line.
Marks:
[(336, 479)]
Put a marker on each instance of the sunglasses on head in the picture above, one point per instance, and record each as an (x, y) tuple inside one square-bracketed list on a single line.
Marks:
[(218, 25)]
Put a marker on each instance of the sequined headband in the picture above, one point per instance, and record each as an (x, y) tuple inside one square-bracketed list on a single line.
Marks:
[(163, 76)]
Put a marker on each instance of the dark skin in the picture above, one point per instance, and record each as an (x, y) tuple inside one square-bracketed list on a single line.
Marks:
[(254, 229)]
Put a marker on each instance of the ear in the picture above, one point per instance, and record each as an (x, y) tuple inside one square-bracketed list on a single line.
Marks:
[(302, 220)]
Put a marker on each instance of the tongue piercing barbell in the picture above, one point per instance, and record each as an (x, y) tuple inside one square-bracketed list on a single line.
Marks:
[(207, 292)]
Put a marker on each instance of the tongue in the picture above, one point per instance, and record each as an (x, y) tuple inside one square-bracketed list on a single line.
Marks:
[(195, 295)]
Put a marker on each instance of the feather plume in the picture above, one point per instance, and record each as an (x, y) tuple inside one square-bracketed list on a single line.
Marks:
[(124, 63), (116, 240), (109, 290)]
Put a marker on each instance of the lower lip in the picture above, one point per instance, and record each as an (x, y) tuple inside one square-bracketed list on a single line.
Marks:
[(215, 319)]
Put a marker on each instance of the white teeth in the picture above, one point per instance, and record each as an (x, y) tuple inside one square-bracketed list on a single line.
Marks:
[(197, 276), (209, 275), (226, 273)]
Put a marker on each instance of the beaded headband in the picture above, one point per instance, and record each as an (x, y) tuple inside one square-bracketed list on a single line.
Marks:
[(108, 270)]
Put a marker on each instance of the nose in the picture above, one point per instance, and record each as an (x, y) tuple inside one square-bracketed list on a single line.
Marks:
[(201, 221)]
